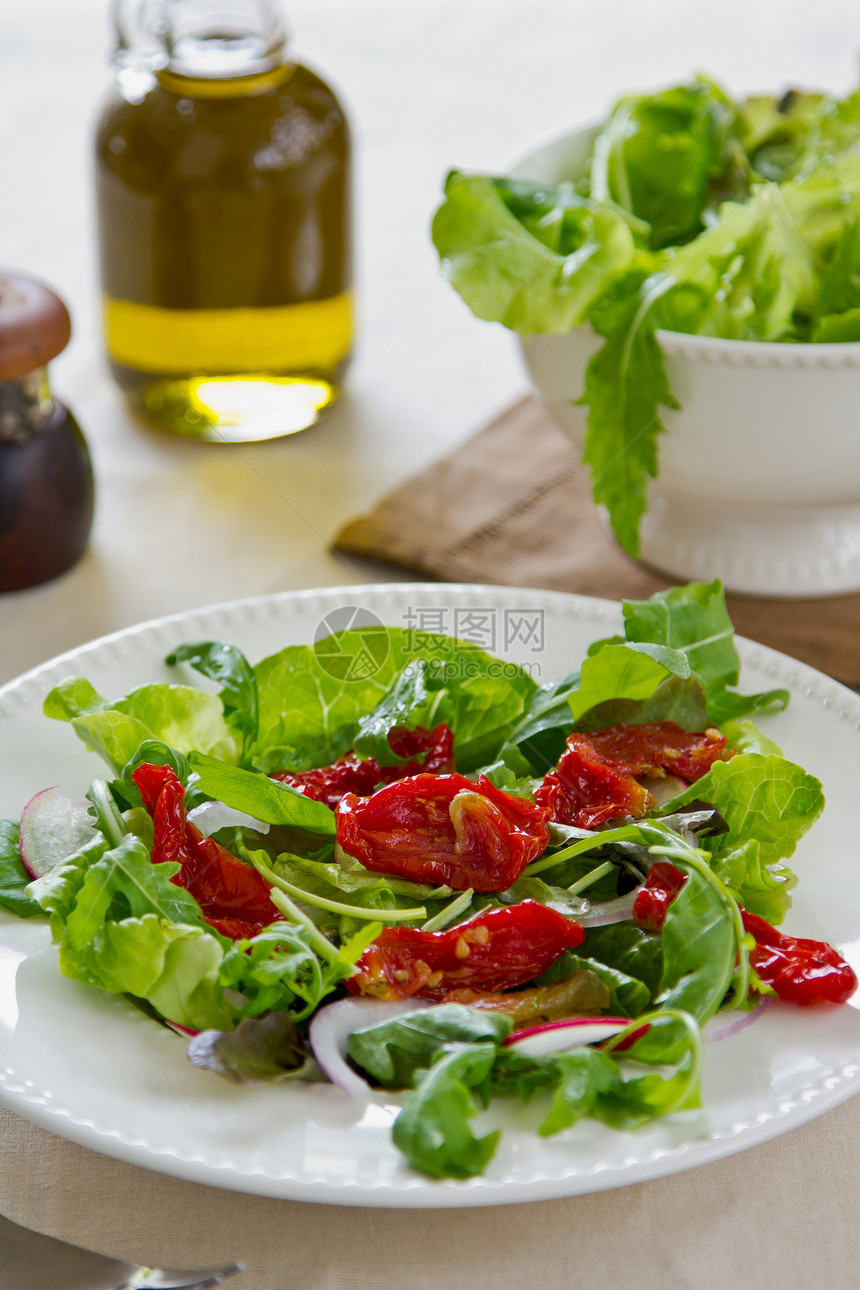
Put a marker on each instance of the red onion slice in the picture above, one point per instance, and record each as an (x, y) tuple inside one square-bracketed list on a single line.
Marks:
[(600, 914), (332, 1026), (725, 1031), (209, 817)]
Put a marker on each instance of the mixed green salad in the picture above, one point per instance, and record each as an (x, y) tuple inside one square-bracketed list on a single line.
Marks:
[(695, 213), (435, 874)]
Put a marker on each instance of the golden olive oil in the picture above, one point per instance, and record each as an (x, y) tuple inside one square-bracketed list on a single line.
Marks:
[(224, 229)]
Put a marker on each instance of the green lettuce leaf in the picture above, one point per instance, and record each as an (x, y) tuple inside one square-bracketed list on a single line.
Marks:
[(537, 267), (177, 715), (768, 803), (626, 672), (173, 966), (228, 666), (14, 879), (662, 156)]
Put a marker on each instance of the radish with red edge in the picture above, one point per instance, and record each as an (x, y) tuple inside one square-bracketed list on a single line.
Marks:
[(563, 1036), (52, 828)]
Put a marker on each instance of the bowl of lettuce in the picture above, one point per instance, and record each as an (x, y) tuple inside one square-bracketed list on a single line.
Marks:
[(685, 283)]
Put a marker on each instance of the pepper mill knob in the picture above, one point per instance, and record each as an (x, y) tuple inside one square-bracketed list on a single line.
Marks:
[(46, 478), (34, 326)]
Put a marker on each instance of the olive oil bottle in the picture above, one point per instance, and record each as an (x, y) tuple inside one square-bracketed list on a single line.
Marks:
[(223, 183)]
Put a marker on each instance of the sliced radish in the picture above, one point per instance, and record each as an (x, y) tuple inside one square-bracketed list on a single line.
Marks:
[(562, 1036), (52, 828), (332, 1027)]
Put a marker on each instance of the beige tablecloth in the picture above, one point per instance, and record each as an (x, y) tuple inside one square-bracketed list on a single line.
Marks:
[(783, 1215)]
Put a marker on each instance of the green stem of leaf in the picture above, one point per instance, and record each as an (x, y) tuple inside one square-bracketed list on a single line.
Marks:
[(600, 872), (626, 833), (451, 911), (108, 817), (336, 906)]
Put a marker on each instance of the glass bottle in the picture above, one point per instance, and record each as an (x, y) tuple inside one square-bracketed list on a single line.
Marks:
[(223, 178), (46, 479)]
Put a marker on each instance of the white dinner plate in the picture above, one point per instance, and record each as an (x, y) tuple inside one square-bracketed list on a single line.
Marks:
[(90, 1067)]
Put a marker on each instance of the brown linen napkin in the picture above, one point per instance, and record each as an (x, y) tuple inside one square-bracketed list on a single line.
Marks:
[(513, 506)]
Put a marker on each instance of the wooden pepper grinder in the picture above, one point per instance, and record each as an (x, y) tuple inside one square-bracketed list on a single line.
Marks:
[(46, 478)]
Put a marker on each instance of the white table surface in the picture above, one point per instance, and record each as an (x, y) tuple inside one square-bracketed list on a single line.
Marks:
[(428, 84)]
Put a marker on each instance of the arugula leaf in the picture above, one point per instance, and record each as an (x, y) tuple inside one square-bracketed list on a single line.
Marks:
[(699, 947), (14, 878), (541, 730), (393, 1052), (266, 799), (627, 948), (280, 970), (581, 1078), (628, 996), (227, 665), (432, 1130)]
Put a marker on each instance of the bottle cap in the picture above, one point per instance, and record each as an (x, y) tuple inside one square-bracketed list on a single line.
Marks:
[(34, 325)]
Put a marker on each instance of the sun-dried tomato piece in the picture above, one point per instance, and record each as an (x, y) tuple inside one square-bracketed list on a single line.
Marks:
[(800, 971), (653, 899), (595, 779), (586, 791), (443, 829), (498, 950), (659, 747), (233, 897), (428, 751)]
